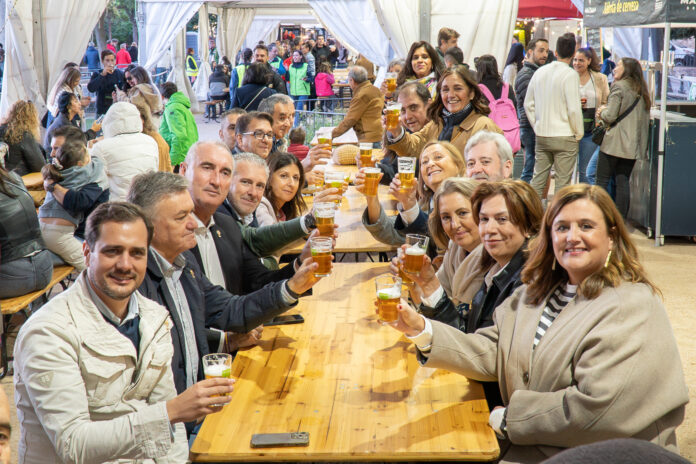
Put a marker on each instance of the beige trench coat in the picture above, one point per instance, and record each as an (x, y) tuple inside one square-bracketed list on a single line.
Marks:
[(606, 368)]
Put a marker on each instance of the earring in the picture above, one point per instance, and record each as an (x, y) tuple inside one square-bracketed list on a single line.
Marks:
[(606, 263), (553, 266)]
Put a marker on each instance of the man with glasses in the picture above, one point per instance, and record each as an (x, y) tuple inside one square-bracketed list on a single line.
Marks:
[(254, 133)]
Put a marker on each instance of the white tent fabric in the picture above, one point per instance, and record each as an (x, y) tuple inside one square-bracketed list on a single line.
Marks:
[(485, 26), (399, 19), (260, 29), (363, 32), (233, 26), (178, 74), (32, 68), (200, 87), (628, 42), (164, 20)]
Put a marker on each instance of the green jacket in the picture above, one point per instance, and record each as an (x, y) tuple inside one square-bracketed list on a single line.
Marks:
[(267, 240), (178, 128), (298, 86)]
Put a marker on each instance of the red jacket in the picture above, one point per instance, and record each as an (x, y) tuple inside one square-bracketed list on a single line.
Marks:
[(299, 150), (123, 59)]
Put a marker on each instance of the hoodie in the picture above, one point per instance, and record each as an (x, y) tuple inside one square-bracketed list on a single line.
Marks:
[(178, 128)]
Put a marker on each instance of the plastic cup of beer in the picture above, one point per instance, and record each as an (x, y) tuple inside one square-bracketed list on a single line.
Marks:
[(217, 365), (325, 214), (324, 138), (371, 181), (407, 172), (415, 252), (388, 289), (319, 180), (393, 114), (404, 277), (366, 155), (391, 81), (321, 254), (334, 179)]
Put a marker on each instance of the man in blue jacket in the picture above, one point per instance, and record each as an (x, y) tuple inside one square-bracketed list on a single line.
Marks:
[(92, 58)]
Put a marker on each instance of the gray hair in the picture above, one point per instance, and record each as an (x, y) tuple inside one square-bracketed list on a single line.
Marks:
[(399, 62), (148, 189), (504, 149), (251, 158), (358, 74), (268, 104), (193, 150)]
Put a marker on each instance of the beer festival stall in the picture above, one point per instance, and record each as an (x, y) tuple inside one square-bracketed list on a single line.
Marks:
[(661, 183)]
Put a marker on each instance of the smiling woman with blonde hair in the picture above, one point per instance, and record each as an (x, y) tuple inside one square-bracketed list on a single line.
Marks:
[(583, 352)]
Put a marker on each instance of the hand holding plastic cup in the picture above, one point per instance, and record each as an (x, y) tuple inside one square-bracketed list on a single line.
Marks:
[(321, 254), (388, 288), (407, 172), (217, 365), (417, 245)]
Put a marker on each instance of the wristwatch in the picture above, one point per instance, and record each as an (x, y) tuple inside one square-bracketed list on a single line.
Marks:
[(51, 187), (310, 221)]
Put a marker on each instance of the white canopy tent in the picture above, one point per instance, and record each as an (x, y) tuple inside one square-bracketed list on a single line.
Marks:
[(378, 29)]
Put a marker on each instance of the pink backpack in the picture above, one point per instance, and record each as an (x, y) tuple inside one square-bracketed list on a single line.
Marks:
[(504, 114)]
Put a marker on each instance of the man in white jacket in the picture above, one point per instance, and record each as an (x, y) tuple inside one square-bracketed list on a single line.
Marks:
[(554, 111), (125, 150), (93, 379)]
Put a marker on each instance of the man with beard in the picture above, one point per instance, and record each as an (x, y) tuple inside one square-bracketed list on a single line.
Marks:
[(93, 377)]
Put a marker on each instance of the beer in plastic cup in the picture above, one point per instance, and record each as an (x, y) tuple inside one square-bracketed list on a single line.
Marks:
[(324, 214), (407, 172), (388, 295), (217, 365), (393, 114), (366, 155), (324, 138), (334, 179), (391, 81), (415, 252), (371, 181), (319, 180), (321, 254), (404, 277)]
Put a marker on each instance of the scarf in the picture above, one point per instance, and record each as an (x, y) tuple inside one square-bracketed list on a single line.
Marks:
[(452, 120)]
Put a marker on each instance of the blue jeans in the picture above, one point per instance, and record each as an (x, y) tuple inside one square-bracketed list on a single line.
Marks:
[(300, 101), (587, 150), (528, 139), (25, 275), (591, 174)]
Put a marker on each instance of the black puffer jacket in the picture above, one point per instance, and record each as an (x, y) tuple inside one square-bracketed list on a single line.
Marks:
[(521, 84), (19, 225)]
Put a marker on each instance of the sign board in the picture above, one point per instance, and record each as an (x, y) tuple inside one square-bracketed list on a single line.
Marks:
[(616, 13)]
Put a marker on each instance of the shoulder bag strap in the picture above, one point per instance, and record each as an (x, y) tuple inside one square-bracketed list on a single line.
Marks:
[(625, 113), (255, 97)]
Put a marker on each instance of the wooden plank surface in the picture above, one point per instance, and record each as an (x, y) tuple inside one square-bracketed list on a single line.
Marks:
[(18, 303), (33, 181), (353, 237), (350, 382)]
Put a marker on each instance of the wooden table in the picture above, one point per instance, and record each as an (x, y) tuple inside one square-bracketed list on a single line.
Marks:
[(33, 181), (353, 384), (353, 237), (350, 137)]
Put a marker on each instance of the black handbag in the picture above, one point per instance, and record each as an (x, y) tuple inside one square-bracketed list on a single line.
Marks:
[(599, 131)]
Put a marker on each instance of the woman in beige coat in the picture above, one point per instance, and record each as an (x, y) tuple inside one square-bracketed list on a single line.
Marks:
[(627, 141), (459, 111), (594, 91), (583, 352)]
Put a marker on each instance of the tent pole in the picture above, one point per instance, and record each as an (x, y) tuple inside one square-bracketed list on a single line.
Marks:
[(424, 8), (659, 238)]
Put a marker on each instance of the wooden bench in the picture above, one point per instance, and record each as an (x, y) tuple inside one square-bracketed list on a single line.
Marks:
[(214, 109), (10, 306)]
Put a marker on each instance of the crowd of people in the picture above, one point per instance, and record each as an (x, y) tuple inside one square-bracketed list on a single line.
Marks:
[(177, 242)]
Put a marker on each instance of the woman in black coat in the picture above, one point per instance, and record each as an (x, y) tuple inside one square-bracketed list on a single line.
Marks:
[(254, 87)]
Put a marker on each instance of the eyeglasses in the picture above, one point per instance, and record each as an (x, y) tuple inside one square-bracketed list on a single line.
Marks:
[(259, 135)]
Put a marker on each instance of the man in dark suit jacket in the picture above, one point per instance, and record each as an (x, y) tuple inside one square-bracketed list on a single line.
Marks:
[(175, 280)]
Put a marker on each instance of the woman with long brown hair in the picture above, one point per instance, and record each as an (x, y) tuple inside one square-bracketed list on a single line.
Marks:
[(68, 81), (139, 89), (20, 132), (626, 141), (459, 111), (422, 64), (583, 351)]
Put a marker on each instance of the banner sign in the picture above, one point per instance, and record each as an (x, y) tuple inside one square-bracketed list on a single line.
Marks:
[(616, 13)]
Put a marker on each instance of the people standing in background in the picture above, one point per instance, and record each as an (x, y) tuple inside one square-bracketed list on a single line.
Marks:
[(105, 82), (217, 83), (446, 39), (453, 56), (68, 81), (513, 64), (254, 87), (275, 82), (110, 45), (191, 66), (123, 58), (91, 58), (324, 85), (133, 52), (538, 50), (299, 77), (178, 126)]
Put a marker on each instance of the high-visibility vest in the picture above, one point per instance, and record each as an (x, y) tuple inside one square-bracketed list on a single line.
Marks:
[(297, 85), (191, 66), (240, 70)]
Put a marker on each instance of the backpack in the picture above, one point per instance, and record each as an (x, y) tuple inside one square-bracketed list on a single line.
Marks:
[(504, 114)]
